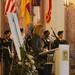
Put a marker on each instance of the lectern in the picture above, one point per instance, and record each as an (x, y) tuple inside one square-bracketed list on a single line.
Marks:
[(48, 65), (62, 60)]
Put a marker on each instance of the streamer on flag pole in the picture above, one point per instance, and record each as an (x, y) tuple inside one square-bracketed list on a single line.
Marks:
[(10, 10), (48, 15)]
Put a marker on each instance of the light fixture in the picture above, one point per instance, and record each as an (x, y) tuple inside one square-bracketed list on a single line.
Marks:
[(66, 2), (70, 4)]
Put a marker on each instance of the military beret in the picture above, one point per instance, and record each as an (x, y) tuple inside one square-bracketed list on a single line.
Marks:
[(7, 31), (60, 32)]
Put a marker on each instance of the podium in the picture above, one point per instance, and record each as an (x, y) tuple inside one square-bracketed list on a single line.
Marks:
[(61, 60), (48, 65)]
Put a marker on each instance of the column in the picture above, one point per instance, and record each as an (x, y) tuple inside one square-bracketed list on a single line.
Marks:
[(0, 18), (42, 12)]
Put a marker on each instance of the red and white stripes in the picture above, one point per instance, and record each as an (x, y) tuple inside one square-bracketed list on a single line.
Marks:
[(10, 6)]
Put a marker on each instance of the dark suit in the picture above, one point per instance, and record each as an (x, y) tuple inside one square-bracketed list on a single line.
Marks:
[(37, 47), (37, 44)]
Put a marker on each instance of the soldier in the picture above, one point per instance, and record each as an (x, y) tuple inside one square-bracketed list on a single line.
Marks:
[(46, 40), (28, 42), (59, 40), (6, 44), (0, 49)]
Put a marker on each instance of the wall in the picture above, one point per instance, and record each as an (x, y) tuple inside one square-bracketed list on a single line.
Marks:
[(57, 16), (3, 25), (70, 36)]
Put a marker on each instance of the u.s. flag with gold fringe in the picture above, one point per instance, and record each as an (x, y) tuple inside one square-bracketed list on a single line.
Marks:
[(10, 10)]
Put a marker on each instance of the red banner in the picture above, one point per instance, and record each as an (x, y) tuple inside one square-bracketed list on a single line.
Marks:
[(48, 15)]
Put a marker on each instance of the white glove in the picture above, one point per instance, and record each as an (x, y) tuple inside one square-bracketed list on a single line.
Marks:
[(45, 50)]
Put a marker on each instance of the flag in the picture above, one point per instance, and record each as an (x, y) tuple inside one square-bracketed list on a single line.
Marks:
[(35, 2), (48, 14), (25, 11), (14, 26), (10, 6), (15, 35), (36, 17)]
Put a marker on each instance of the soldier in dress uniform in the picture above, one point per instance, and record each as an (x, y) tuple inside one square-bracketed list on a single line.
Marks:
[(6, 45), (59, 40), (0, 49), (28, 42), (46, 40)]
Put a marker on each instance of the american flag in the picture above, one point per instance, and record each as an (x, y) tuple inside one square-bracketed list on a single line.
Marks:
[(10, 10), (10, 6)]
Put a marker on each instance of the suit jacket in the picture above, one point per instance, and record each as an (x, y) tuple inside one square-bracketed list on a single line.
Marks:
[(37, 44)]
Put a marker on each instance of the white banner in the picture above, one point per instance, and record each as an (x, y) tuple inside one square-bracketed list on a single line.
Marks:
[(15, 30)]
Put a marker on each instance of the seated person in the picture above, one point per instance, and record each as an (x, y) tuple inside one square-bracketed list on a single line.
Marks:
[(59, 40)]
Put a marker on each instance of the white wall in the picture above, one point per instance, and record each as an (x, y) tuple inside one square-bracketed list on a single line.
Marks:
[(57, 16)]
